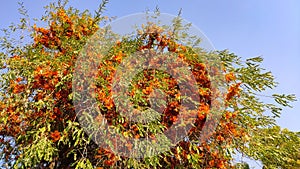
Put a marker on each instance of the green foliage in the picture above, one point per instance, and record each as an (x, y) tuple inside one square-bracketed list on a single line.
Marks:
[(41, 148), (267, 142)]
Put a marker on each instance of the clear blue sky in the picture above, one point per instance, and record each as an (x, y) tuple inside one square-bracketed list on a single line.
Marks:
[(270, 28)]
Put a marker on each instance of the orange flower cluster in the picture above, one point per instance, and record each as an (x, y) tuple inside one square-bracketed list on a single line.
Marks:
[(16, 87), (55, 136), (230, 77), (146, 85), (233, 91), (110, 157), (64, 26), (45, 78), (47, 38)]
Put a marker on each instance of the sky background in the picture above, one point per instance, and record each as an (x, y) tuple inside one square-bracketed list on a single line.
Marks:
[(268, 28)]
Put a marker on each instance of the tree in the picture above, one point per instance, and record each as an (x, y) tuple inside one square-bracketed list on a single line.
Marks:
[(40, 127)]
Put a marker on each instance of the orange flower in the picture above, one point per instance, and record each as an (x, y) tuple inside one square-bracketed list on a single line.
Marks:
[(234, 115), (221, 164), (232, 91), (229, 77), (220, 138), (204, 92), (147, 91), (181, 55), (57, 111), (18, 88), (38, 70), (228, 115), (18, 79), (172, 46), (109, 103), (137, 136), (211, 162), (204, 108), (55, 136), (118, 57), (174, 118), (201, 116), (101, 95)]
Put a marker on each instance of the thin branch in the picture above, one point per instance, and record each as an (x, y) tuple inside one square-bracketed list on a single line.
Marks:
[(100, 11)]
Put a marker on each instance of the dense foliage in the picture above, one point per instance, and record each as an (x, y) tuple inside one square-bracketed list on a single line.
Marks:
[(38, 122)]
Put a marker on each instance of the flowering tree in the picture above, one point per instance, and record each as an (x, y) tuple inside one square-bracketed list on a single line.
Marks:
[(40, 127)]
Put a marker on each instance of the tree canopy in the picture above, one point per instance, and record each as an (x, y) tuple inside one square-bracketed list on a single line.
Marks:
[(41, 127)]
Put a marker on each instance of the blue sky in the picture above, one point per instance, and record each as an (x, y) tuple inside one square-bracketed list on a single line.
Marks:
[(269, 28)]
